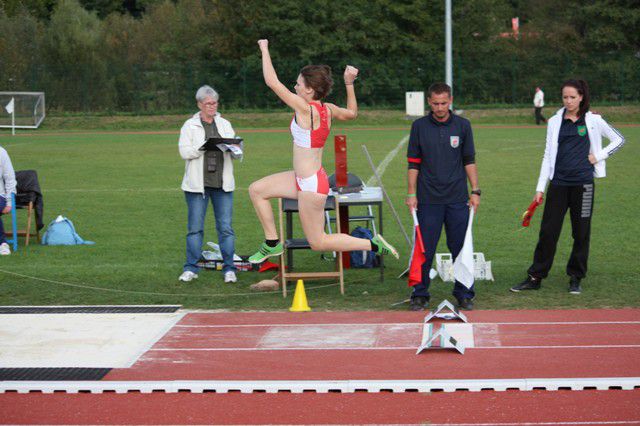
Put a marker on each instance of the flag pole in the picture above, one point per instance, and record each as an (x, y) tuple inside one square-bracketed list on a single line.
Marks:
[(386, 196), (11, 109), (415, 223), (448, 43)]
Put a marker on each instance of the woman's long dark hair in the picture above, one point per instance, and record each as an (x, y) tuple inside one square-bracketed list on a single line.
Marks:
[(583, 89)]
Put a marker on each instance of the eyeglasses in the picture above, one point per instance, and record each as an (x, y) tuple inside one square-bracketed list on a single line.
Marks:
[(210, 104)]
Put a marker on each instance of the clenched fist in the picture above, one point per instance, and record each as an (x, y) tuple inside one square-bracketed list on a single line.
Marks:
[(350, 74)]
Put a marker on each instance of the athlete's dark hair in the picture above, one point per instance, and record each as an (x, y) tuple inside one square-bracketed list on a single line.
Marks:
[(583, 89), (318, 77), (439, 88)]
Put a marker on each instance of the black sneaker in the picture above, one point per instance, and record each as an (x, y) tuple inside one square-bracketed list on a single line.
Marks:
[(574, 286), (418, 303), (465, 304), (529, 284)]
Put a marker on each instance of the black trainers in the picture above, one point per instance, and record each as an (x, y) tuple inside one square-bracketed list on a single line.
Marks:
[(465, 304), (528, 284), (418, 303), (574, 286)]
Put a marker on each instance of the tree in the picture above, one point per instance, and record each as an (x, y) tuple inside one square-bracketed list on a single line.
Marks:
[(76, 74), (20, 37), (40, 9)]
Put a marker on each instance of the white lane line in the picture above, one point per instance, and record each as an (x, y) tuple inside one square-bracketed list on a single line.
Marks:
[(390, 156), (362, 324), (621, 422), (322, 386), (159, 335), (387, 348), (319, 348), (595, 422), (559, 347), (558, 323), (401, 324)]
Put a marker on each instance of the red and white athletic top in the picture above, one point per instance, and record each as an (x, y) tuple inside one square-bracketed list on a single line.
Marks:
[(309, 138)]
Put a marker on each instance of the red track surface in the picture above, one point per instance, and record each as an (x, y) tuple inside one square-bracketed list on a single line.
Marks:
[(487, 407), (512, 345)]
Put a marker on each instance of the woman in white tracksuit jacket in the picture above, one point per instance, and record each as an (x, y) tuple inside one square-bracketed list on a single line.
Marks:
[(573, 157), (208, 177)]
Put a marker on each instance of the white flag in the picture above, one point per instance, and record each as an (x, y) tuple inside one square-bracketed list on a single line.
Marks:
[(9, 107), (463, 265)]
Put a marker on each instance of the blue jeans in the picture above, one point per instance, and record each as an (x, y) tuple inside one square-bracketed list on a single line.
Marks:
[(223, 210), (3, 204), (455, 218)]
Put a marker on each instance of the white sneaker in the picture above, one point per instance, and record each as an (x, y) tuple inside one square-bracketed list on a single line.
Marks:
[(230, 277), (6, 251), (187, 276)]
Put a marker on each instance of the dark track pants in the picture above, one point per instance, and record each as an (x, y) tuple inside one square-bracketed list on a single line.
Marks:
[(431, 217), (538, 114), (579, 201)]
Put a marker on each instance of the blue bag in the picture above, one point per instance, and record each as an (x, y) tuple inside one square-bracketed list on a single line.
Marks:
[(61, 232), (364, 258)]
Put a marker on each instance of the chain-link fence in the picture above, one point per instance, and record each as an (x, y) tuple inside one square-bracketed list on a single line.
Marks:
[(171, 87)]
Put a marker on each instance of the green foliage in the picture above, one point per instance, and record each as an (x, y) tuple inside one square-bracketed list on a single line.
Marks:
[(72, 67), (40, 9), (151, 55), (598, 25), (19, 48), (103, 7)]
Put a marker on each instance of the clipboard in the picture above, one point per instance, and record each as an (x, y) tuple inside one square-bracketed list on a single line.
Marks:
[(211, 143)]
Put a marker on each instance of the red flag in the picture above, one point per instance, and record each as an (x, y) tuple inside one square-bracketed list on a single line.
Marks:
[(417, 254), (526, 216)]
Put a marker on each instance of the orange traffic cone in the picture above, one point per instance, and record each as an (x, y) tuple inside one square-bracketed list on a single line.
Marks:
[(300, 299)]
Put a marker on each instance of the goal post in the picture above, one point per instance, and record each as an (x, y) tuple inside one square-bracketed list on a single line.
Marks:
[(28, 109)]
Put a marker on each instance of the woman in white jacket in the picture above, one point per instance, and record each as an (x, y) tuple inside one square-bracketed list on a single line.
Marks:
[(208, 175), (573, 157)]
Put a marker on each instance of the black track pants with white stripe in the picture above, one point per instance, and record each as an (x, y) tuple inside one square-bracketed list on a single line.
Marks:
[(579, 201)]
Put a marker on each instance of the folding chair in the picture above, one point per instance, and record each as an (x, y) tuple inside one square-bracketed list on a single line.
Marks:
[(286, 207)]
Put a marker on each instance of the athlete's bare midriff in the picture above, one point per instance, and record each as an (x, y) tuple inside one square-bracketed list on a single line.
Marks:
[(306, 161)]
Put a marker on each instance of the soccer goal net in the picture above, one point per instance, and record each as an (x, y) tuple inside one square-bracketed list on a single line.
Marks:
[(28, 108)]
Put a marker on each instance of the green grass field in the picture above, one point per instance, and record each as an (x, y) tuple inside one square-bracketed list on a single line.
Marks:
[(122, 190), (280, 118)]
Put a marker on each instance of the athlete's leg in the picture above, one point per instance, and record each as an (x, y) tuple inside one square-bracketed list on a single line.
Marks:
[(311, 208), (279, 185)]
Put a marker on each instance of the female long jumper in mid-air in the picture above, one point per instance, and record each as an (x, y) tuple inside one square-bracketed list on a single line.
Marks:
[(307, 182)]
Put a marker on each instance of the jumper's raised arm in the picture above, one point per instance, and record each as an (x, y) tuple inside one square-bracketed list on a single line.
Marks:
[(272, 81), (351, 111)]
